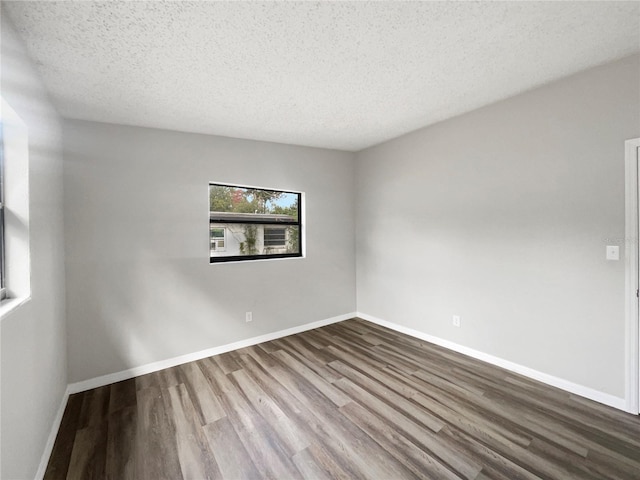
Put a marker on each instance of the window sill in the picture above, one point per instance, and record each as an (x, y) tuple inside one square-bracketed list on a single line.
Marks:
[(267, 258), (9, 305)]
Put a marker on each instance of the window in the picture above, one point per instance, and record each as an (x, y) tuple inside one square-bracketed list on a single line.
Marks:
[(275, 237), (217, 238), (15, 260), (3, 290), (248, 223)]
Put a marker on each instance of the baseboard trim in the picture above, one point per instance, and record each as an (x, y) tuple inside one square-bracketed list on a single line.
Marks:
[(581, 390), (586, 392), (51, 440), (171, 362), (190, 357)]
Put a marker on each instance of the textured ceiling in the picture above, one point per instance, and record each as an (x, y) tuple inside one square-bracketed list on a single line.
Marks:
[(344, 75)]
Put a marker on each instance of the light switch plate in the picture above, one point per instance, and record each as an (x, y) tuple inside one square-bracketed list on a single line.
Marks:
[(613, 252)]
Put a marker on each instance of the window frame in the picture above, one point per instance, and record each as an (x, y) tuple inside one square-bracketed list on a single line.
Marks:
[(3, 288), (266, 222), (16, 199)]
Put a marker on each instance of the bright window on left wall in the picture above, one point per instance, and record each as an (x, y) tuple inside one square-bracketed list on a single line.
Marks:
[(249, 223), (15, 258), (3, 290)]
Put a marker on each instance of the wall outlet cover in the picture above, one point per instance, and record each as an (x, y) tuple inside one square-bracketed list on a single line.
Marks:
[(613, 252)]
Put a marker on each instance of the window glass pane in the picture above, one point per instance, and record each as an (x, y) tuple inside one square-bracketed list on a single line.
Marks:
[(250, 204), (275, 237), (251, 239), (217, 232), (2, 282), (2, 286)]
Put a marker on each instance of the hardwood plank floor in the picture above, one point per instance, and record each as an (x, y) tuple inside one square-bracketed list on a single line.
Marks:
[(350, 400)]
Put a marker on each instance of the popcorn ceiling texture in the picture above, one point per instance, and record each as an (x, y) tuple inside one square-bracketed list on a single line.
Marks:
[(344, 75)]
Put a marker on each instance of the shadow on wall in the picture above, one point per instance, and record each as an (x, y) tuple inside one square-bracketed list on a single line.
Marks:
[(133, 323)]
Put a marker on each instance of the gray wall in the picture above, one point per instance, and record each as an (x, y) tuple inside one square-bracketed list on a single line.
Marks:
[(33, 338), (502, 216), (139, 285)]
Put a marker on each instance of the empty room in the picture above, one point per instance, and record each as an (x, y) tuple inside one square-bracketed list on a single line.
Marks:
[(319, 240)]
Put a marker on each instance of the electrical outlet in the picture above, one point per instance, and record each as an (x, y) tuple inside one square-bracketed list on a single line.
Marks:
[(456, 320), (248, 316), (613, 252)]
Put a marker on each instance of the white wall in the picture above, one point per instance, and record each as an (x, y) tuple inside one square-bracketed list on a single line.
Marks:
[(33, 337), (502, 216), (140, 288)]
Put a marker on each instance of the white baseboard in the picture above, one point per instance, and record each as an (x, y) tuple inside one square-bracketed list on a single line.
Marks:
[(48, 447), (190, 357), (571, 387), (591, 394), (171, 362)]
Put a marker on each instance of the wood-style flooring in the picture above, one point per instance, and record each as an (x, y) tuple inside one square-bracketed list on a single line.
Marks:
[(351, 400)]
